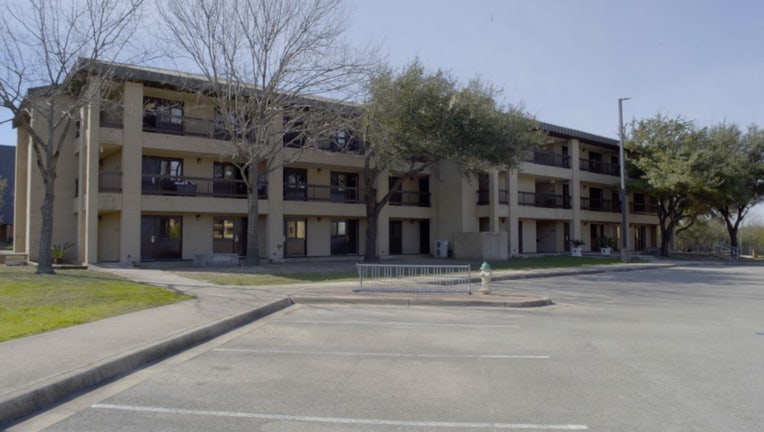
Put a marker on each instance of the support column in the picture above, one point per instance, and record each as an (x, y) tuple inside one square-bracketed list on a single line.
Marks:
[(575, 189), (383, 221), (512, 229), (132, 165), (274, 220), (493, 202)]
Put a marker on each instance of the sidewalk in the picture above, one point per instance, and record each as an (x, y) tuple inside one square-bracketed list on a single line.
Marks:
[(41, 370)]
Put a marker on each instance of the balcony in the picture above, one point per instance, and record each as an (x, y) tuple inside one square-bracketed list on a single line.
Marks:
[(484, 196), (643, 208), (600, 205), (544, 200), (410, 198), (153, 184), (111, 118), (600, 167), (311, 192), (549, 158), (110, 181)]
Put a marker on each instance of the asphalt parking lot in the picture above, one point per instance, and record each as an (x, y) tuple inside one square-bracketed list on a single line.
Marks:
[(667, 350)]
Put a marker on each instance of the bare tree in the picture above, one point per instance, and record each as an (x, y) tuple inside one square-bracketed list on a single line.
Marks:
[(44, 45), (268, 65)]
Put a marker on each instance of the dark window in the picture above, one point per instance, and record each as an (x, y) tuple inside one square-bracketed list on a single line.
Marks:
[(161, 237), (295, 184), (296, 235), (344, 141), (294, 132), (396, 195), (344, 187), (162, 114), (161, 175)]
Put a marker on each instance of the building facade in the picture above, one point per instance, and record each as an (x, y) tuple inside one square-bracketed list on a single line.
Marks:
[(7, 170), (148, 181)]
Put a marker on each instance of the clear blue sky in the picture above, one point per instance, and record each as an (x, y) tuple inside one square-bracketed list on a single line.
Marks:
[(569, 61)]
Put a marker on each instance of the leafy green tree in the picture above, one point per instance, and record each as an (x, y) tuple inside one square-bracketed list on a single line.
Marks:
[(733, 164), (415, 118), (663, 153)]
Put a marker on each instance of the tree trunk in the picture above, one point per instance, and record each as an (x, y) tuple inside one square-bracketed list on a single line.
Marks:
[(253, 237), (44, 260), (370, 254)]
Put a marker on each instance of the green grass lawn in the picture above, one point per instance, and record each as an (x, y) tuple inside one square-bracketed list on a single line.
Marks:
[(31, 303), (294, 274)]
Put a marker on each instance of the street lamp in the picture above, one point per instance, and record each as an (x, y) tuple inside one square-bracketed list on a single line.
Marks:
[(622, 158)]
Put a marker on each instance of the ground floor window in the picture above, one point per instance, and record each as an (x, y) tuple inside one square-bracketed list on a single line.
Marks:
[(161, 237), (296, 237)]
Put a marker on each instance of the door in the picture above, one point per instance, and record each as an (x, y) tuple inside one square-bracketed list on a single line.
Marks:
[(229, 235), (424, 195), (595, 199), (597, 231), (566, 195), (566, 236), (344, 237), (161, 238), (396, 237), (296, 238), (520, 236), (295, 184), (424, 236), (565, 157)]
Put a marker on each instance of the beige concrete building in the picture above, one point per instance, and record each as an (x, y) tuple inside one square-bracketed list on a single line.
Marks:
[(149, 182)]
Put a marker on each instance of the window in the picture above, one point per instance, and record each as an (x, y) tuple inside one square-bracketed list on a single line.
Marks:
[(222, 131), (344, 187), (396, 195), (161, 174), (162, 114), (344, 141), (295, 183), (294, 132)]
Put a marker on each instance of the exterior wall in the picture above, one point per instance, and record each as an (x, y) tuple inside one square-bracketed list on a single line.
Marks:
[(524, 205)]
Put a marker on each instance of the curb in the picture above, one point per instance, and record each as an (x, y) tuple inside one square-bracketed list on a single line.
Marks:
[(414, 301), (43, 395)]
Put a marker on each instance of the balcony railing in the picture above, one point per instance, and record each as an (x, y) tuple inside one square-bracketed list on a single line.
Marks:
[(484, 196), (111, 118), (153, 184), (110, 181), (600, 167), (543, 200), (548, 158), (410, 198), (643, 208), (311, 192), (601, 205)]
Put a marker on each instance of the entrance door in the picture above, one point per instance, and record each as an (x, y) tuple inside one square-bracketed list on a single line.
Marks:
[(296, 237), (396, 237), (597, 231), (344, 237), (424, 236), (161, 238), (229, 235), (520, 236)]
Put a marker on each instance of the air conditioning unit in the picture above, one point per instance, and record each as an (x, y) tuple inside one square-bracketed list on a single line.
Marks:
[(441, 248)]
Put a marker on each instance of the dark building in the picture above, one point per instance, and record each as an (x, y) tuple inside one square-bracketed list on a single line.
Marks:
[(7, 170)]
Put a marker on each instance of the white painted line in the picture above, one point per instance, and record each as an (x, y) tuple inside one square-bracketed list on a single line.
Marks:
[(382, 354), (394, 323), (340, 420)]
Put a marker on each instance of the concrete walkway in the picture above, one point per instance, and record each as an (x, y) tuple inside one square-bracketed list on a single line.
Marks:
[(39, 371)]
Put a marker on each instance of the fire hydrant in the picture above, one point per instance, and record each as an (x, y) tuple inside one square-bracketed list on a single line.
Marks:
[(485, 277)]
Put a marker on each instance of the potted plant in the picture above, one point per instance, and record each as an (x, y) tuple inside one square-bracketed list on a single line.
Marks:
[(606, 245), (58, 250), (575, 247)]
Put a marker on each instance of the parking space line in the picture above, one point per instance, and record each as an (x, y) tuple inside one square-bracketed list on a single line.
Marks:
[(341, 420), (393, 323), (383, 354)]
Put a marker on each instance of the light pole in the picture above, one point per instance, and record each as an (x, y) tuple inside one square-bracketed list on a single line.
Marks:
[(624, 223)]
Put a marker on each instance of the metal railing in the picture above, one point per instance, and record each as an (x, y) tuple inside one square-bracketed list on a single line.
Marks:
[(410, 198), (600, 205), (153, 184), (600, 167), (189, 126), (548, 158), (543, 200), (727, 251), (312, 192), (643, 208), (414, 278)]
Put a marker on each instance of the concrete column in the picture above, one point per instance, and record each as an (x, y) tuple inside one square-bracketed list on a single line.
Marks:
[(274, 220), (575, 189), (20, 195), (132, 153), (493, 202), (512, 229)]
